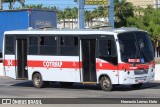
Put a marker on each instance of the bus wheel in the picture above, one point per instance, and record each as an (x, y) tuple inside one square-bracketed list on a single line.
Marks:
[(137, 86), (106, 84), (66, 84), (38, 82)]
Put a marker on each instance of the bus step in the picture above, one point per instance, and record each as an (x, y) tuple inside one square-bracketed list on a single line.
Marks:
[(22, 79), (89, 82)]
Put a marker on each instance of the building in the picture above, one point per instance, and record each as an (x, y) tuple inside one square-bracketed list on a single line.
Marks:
[(157, 3), (73, 23), (144, 3)]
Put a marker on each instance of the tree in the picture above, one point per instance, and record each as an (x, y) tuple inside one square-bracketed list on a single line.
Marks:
[(62, 16), (102, 11), (139, 11), (11, 3), (74, 12), (88, 17), (68, 14), (123, 10), (97, 13), (149, 20), (40, 6)]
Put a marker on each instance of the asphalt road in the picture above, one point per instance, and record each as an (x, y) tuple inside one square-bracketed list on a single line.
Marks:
[(10, 88), (24, 89)]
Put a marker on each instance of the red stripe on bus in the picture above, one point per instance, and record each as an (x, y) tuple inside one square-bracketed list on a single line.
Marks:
[(125, 66), (9, 62), (105, 66), (53, 64), (77, 65)]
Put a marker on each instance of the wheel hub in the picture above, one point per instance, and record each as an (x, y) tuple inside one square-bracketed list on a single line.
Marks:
[(37, 81), (106, 83)]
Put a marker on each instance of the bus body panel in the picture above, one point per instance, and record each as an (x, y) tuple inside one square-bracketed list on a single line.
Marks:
[(106, 68), (55, 68), (110, 73), (134, 75), (57, 71), (10, 66), (124, 78)]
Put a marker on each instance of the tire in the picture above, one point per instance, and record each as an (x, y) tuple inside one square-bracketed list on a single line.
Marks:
[(106, 84), (66, 84), (137, 86), (38, 82)]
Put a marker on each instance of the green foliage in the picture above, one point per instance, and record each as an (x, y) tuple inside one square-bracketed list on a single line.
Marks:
[(39, 6), (100, 12), (11, 3), (68, 13), (89, 17), (72, 13), (147, 19), (123, 10)]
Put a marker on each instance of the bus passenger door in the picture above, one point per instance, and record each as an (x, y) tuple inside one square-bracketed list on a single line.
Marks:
[(88, 60), (21, 55)]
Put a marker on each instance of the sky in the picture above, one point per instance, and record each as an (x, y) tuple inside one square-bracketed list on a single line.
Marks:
[(61, 4)]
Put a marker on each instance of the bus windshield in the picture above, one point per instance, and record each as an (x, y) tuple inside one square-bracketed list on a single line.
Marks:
[(135, 47)]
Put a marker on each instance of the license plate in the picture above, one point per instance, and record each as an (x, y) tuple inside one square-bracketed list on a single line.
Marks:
[(140, 80)]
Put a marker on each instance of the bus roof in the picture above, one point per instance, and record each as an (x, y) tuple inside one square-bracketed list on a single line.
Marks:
[(71, 31)]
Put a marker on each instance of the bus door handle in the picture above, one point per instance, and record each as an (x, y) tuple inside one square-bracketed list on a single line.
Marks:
[(26, 68)]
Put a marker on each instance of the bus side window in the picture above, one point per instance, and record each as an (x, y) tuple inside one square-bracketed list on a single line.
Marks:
[(9, 45), (33, 45), (107, 50), (48, 45), (69, 45), (111, 48)]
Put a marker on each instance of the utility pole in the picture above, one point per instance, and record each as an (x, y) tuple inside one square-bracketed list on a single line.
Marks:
[(81, 14), (0, 4), (111, 13)]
